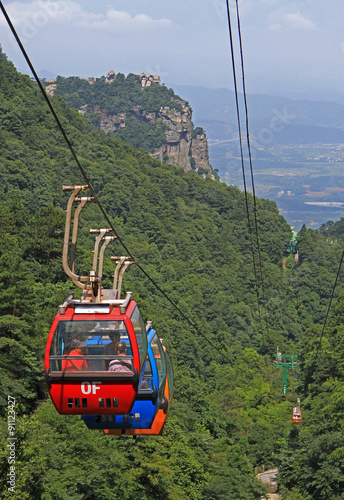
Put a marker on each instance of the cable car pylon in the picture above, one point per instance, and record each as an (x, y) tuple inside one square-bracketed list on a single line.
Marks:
[(285, 361)]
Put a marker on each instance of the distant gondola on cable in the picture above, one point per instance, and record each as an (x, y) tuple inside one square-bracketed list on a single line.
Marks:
[(151, 406), (297, 415), (291, 246), (97, 345)]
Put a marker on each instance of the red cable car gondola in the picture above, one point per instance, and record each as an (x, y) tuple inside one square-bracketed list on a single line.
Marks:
[(297, 415), (77, 359), (85, 370)]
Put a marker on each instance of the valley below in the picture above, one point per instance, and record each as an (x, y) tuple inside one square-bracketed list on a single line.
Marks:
[(297, 148), (305, 180)]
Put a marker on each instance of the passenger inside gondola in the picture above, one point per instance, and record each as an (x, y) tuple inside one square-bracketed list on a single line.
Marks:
[(111, 348), (146, 378), (121, 364), (89, 346), (77, 349)]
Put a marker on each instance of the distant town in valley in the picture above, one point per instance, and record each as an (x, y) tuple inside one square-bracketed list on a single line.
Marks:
[(305, 180), (297, 150)]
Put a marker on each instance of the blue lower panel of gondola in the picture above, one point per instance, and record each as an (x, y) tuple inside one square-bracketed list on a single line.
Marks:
[(141, 417)]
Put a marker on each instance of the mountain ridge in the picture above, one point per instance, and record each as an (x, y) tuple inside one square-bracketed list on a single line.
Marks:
[(138, 109), (219, 105)]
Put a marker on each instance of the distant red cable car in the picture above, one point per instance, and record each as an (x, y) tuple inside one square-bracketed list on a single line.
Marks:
[(297, 415)]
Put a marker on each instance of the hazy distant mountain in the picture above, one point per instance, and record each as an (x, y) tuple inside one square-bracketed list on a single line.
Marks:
[(47, 75), (322, 95), (272, 119)]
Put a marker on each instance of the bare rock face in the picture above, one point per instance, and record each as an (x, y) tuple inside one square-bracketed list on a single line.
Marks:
[(200, 152), (176, 149), (110, 123), (50, 89), (110, 77), (83, 110), (181, 147)]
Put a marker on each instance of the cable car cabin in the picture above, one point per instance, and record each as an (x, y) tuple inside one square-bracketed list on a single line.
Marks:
[(160, 417), (297, 416), (150, 398), (94, 357)]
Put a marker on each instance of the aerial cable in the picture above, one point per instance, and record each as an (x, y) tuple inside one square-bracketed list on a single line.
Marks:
[(328, 309), (255, 211), (242, 154), (83, 173), (254, 195)]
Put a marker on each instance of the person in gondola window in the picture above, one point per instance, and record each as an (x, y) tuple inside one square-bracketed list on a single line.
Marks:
[(111, 347), (78, 348), (120, 365)]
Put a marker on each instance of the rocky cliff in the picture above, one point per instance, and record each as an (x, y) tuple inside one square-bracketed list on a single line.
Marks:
[(181, 145)]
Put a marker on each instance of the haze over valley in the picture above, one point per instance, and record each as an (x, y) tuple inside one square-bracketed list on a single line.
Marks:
[(297, 150)]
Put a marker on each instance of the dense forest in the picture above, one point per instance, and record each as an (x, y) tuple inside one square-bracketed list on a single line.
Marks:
[(123, 96), (191, 235)]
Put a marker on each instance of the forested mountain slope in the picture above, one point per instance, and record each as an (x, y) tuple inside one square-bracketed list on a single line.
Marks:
[(191, 235)]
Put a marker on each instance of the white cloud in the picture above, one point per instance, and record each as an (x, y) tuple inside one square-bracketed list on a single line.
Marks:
[(39, 13), (298, 21), (281, 20), (120, 20), (22, 13)]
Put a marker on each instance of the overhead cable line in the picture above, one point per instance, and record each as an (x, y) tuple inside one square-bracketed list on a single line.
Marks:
[(251, 169), (328, 309), (254, 195), (86, 179), (242, 155)]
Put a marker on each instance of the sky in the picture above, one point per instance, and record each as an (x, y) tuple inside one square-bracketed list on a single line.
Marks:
[(289, 46)]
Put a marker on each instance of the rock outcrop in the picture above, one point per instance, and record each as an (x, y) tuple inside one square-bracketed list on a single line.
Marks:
[(50, 89), (110, 123), (147, 80), (200, 152), (184, 145), (110, 76)]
